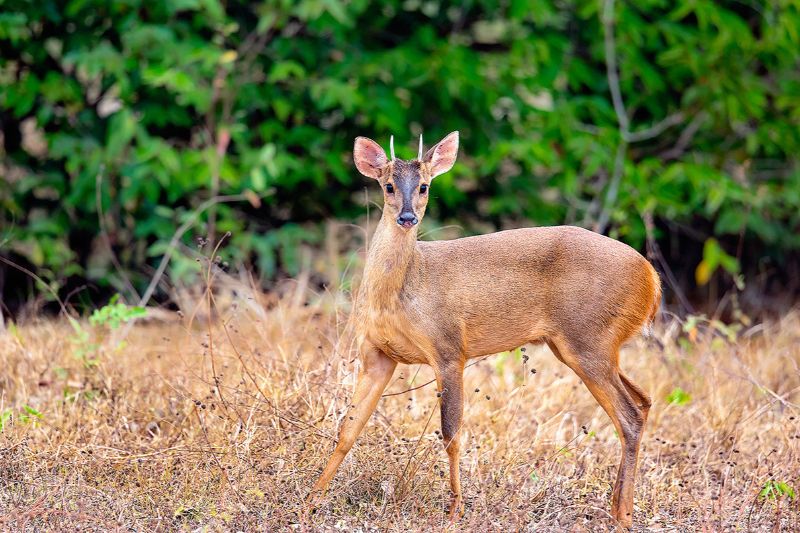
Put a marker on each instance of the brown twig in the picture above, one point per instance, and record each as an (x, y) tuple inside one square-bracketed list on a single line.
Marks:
[(654, 254), (176, 237), (431, 381), (101, 219), (685, 137)]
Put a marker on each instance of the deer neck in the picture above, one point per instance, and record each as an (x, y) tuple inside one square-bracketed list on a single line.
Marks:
[(391, 259)]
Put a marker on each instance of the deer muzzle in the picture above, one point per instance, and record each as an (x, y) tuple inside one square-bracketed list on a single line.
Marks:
[(407, 220)]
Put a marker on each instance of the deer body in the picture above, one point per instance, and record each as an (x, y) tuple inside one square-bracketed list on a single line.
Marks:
[(496, 292), (441, 303)]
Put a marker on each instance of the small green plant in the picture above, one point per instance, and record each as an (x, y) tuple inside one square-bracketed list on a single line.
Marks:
[(4, 418), (715, 257), (774, 490), (112, 315), (678, 396), (26, 415), (29, 414), (696, 325), (85, 349), (115, 313)]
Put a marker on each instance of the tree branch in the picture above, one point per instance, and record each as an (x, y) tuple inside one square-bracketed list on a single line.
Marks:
[(685, 137), (613, 187), (611, 67), (619, 108), (656, 129), (101, 219), (176, 237)]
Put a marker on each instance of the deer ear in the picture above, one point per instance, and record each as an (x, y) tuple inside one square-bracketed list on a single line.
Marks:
[(369, 157), (442, 157)]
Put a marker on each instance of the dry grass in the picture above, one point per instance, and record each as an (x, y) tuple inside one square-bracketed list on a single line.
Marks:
[(226, 425)]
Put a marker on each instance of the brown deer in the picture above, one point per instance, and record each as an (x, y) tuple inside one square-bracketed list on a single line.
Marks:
[(441, 303)]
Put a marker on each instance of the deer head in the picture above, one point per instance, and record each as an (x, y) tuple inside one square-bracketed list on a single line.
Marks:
[(405, 183)]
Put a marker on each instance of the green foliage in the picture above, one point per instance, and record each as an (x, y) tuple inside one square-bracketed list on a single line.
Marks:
[(29, 413), (87, 342), (713, 258), (83, 346), (774, 490), (115, 313), (678, 396), (136, 113), (719, 330), (25, 415)]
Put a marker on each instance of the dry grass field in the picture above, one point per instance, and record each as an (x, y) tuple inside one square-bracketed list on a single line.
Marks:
[(224, 425)]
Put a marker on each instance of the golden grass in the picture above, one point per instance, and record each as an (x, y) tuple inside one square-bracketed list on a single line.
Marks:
[(226, 425)]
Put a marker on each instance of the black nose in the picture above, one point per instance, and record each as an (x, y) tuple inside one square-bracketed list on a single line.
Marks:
[(407, 220)]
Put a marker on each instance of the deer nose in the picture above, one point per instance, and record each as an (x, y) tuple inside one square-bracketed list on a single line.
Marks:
[(407, 220)]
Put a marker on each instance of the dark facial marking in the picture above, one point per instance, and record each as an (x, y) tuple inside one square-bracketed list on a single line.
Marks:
[(406, 179)]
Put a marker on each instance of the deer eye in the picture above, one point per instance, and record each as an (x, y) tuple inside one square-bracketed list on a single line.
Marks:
[(389, 188), (423, 188)]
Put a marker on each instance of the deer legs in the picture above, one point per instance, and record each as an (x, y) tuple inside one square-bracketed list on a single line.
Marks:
[(375, 373), (449, 378), (627, 406)]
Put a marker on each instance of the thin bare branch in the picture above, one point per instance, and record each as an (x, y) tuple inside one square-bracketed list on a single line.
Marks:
[(176, 237), (656, 129), (685, 137), (619, 108), (613, 188), (101, 218), (611, 67)]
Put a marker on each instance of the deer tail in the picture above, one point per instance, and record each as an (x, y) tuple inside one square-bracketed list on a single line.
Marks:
[(655, 304)]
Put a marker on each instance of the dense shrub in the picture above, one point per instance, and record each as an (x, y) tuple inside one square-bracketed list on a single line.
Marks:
[(148, 109)]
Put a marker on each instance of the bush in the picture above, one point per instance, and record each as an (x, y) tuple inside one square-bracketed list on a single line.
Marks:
[(120, 118)]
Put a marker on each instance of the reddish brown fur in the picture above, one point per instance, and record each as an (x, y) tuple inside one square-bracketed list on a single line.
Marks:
[(441, 303)]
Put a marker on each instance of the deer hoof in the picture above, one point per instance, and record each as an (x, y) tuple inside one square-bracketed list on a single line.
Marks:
[(625, 520), (314, 500), (456, 508)]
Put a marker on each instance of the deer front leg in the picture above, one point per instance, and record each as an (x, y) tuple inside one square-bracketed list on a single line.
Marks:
[(375, 373), (450, 378)]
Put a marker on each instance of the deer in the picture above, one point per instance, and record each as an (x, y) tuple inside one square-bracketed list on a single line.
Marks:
[(442, 303)]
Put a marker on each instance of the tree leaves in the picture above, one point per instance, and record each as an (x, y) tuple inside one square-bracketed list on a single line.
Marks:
[(713, 258), (142, 93)]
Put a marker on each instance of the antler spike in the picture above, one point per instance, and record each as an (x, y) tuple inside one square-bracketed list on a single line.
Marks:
[(391, 146), (419, 155)]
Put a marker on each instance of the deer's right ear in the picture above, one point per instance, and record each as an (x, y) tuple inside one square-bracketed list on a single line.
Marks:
[(369, 157), (442, 157)]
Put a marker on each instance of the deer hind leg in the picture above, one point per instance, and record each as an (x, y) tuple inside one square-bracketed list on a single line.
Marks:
[(627, 406), (450, 379), (375, 373)]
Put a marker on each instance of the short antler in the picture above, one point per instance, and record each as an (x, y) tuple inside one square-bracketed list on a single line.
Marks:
[(419, 155), (391, 146)]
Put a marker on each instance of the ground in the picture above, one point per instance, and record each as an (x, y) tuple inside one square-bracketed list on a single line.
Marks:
[(224, 424)]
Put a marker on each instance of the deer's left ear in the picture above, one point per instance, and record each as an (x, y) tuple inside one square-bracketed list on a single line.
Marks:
[(442, 157)]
